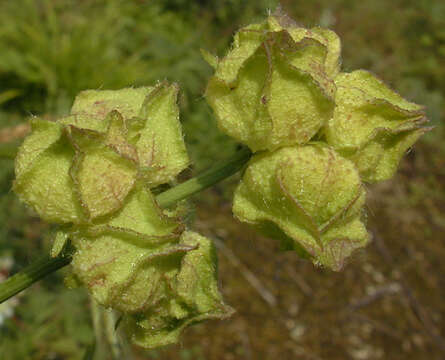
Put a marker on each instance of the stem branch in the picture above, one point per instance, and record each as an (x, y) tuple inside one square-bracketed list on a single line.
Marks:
[(208, 178)]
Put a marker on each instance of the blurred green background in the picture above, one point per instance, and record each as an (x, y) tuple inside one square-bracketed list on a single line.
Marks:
[(386, 304)]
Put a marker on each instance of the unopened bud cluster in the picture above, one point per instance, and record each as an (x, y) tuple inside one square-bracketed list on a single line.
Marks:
[(92, 173), (317, 134)]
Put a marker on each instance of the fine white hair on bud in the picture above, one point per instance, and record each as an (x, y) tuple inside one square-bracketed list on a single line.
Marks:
[(94, 170), (318, 133)]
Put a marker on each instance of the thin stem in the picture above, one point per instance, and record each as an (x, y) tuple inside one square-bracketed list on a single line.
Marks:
[(30, 274), (120, 348), (206, 179), (112, 335), (97, 315), (41, 268)]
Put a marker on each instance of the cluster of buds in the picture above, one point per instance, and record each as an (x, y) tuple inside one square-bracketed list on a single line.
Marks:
[(317, 133), (92, 173)]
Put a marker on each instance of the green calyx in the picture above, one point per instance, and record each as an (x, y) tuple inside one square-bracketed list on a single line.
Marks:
[(161, 284), (92, 173), (275, 87), (372, 125), (185, 295), (281, 85), (142, 263), (83, 166), (318, 134), (309, 197)]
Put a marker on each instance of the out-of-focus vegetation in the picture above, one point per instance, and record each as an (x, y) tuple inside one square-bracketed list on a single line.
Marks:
[(387, 304), (50, 50)]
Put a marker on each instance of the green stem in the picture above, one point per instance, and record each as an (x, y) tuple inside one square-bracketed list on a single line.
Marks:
[(30, 274), (208, 178), (112, 335), (120, 348), (98, 347), (47, 265)]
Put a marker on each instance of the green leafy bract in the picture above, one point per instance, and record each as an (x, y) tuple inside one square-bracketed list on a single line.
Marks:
[(187, 295), (372, 125), (309, 197), (92, 172), (276, 85), (83, 166)]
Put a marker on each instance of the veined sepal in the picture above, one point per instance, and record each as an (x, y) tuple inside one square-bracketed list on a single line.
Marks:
[(309, 197)]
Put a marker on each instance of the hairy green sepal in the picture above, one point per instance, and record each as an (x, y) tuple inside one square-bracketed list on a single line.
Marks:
[(82, 167), (372, 125), (187, 294), (318, 134), (275, 87), (309, 197), (92, 173)]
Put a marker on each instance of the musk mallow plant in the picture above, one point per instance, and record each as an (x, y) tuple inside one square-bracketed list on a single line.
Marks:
[(314, 137)]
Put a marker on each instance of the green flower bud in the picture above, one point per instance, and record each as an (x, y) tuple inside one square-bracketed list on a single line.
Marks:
[(83, 166), (42, 170), (308, 196), (94, 170), (141, 263), (124, 260), (372, 125), (91, 107), (275, 86), (329, 56), (190, 295)]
